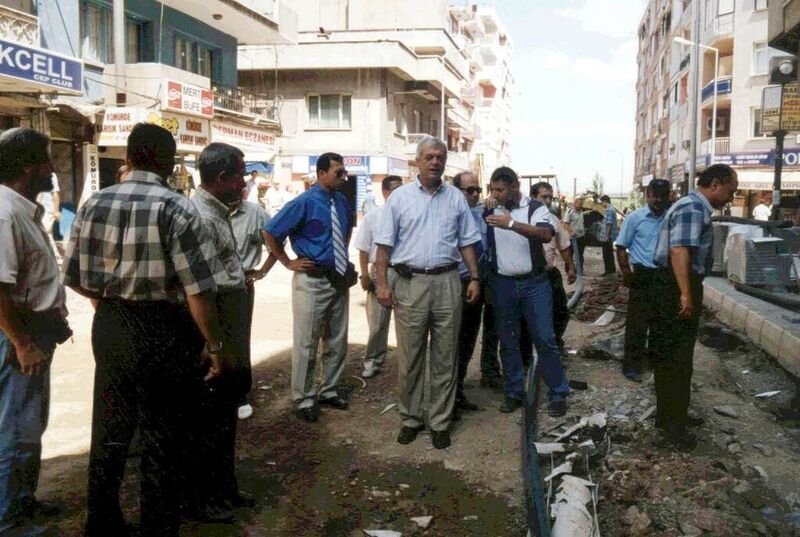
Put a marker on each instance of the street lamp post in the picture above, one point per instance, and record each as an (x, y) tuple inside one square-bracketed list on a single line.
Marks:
[(683, 41), (621, 171)]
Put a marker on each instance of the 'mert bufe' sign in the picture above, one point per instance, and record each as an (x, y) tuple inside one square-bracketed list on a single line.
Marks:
[(47, 70)]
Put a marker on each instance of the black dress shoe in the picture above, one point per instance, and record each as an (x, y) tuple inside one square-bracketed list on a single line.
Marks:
[(335, 402), (677, 438), (557, 408), (242, 499), (309, 414), (216, 513), (693, 421), (462, 403), (632, 374), (409, 434), (491, 382), (510, 405), (441, 439), (32, 507)]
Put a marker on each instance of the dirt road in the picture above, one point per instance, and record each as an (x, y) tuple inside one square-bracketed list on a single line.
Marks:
[(347, 473)]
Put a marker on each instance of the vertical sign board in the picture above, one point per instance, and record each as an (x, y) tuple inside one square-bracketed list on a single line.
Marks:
[(772, 118), (91, 171)]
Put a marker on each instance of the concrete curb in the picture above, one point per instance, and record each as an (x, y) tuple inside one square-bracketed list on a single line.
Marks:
[(764, 323)]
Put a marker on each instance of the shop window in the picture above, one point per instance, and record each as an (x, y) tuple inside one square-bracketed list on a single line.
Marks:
[(331, 111), (193, 56), (97, 38)]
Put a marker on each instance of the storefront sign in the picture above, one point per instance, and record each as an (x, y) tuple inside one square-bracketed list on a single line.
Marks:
[(255, 143), (187, 99), (91, 169), (191, 133), (46, 70), (358, 165), (398, 167)]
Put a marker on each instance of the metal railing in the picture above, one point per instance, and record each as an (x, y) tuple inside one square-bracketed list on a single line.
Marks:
[(722, 146), (243, 102), (723, 25)]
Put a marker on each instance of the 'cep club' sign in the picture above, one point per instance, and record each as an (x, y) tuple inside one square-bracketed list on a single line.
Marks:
[(44, 68)]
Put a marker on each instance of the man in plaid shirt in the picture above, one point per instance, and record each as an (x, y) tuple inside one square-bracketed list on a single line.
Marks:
[(139, 252), (683, 253)]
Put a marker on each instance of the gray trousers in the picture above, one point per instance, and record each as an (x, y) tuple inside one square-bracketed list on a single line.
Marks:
[(320, 312), (378, 318), (428, 315)]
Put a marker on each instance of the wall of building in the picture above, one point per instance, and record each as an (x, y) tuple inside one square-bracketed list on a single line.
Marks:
[(335, 15)]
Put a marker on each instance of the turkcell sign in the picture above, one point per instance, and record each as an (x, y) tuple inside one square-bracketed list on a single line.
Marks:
[(46, 69)]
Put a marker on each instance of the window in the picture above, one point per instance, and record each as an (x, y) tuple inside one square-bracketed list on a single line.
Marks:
[(755, 122), (761, 55), (400, 118), (193, 56), (760, 4), (417, 121), (329, 111), (97, 39), (434, 127)]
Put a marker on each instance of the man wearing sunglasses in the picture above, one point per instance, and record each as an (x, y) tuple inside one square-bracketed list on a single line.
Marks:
[(318, 222)]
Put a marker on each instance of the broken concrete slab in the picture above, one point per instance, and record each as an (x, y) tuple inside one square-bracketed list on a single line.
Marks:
[(422, 521), (727, 411)]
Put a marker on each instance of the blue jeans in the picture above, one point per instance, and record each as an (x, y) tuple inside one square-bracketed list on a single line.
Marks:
[(531, 300), (24, 402)]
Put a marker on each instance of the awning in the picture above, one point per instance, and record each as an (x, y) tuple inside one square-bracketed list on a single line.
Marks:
[(763, 179)]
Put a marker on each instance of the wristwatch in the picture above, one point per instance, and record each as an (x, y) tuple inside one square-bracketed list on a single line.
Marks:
[(216, 351), (511, 224)]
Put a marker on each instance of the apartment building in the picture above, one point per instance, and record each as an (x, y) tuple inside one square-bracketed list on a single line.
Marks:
[(369, 79), (736, 31), (179, 71)]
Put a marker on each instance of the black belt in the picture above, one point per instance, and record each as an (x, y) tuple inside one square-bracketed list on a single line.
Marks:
[(402, 269), (528, 276)]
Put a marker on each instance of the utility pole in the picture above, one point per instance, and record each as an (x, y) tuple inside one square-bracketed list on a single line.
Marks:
[(574, 187), (695, 95), (119, 50)]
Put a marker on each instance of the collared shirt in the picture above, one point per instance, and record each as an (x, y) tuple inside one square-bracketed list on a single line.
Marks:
[(45, 199), (27, 262), (639, 235), (426, 230), (215, 216), (687, 223), (369, 204), (365, 239), (481, 248), (140, 241), (512, 250), (306, 221), (762, 212), (247, 221), (575, 221), (559, 242), (252, 190), (609, 219)]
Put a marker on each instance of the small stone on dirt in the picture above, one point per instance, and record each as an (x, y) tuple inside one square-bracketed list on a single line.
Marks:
[(422, 521), (470, 517), (689, 530), (727, 411), (767, 451)]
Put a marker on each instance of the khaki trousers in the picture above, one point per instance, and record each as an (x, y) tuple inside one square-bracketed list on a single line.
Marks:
[(320, 311), (428, 315), (378, 318)]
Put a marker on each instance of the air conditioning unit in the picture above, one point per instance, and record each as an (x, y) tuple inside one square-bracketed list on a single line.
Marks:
[(721, 124), (686, 143)]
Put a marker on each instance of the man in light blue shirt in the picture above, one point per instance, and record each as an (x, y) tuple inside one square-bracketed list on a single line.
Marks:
[(636, 246), (425, 230), (607, 234)]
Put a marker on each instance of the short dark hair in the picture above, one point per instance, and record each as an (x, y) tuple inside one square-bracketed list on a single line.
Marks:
[(504, 174), (541, 185), (659, 187), (457, 177), (721, 172), (150, 146), (388, 180), (324, 161), (605, 198), (253, 172), (20, 148), (218, 158)]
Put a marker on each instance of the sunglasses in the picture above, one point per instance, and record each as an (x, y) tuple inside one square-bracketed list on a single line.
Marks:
[(472, 189)]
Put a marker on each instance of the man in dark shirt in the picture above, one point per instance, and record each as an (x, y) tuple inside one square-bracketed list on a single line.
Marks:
[(318, 223), (154, 307)]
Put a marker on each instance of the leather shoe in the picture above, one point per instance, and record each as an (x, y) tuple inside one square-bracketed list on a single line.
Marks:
[(462, 403), (211, 513), (441, 439), (693, 421), (335, 402), (491, 382), (409, 434), (309, 414), (37, 508), (677, 438), (242, 499), (510, 405), (557, 408), (634, 375)]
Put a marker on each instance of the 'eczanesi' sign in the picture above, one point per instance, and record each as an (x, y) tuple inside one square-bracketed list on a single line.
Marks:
[(47, 70)]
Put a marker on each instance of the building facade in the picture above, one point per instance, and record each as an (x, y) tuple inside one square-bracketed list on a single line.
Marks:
[(365, 79), (735, 31)]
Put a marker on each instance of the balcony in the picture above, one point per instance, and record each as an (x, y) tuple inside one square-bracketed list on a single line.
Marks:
[(412, 139), (723, 26), (722, 146), (724, 86), (240, 102), (19, 26)]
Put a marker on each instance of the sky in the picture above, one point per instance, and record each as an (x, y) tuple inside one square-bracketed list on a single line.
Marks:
[(574, 101)]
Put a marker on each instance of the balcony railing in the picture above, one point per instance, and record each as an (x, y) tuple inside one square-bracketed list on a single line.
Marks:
[(724, 86), (243, 102), (19, 26), (722, 146), (723, 25)]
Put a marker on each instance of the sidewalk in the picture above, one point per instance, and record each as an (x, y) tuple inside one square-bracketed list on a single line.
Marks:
[(766, 324)]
